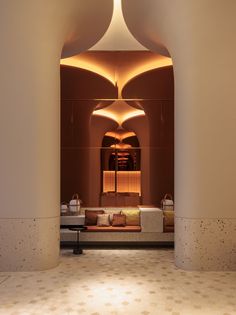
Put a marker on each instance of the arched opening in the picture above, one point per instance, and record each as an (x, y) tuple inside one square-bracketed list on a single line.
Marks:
[(123, 152), (120, 169), (134, 93)]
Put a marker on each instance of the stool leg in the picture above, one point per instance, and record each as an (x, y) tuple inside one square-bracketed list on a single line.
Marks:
[(78, 250)]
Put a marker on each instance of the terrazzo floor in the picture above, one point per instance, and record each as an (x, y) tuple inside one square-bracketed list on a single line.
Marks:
[(114, 282)]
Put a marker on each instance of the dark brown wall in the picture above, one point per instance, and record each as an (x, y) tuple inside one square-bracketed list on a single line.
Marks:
[(78, 89), (157, 87), (98, 127), (75, 148), (153, 84), (140, 125), (83, 84)]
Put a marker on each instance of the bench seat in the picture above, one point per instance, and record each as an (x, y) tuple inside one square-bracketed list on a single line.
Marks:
[(127, 228)]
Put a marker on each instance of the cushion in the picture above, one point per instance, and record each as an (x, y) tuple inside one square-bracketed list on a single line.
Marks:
[(111, 213), (103, 220), (132, 217), (168, 217), (91, 216), (119, 220)]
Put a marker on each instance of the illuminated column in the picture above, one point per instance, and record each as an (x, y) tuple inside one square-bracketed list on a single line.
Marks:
[(200, 36), (32, 36)]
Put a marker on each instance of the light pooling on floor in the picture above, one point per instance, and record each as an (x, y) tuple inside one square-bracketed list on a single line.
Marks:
[(114, 282)]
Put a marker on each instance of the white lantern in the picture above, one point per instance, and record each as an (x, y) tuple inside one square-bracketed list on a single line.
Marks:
[(74, 205)]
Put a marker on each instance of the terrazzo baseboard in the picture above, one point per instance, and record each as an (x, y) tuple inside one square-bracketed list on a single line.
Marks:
[(205, 244), (29, 244)]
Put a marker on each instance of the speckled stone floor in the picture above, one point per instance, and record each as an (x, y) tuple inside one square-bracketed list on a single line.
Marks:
[(114, 282)]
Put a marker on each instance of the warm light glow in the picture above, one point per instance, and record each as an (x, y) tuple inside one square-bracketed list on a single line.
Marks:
[(82, 63), (134, 114), (120, 135), (121, 146), (121, 153), (108, 181), (127, 181), (120, 119), (119, 111), (104, 113), (118, 67)]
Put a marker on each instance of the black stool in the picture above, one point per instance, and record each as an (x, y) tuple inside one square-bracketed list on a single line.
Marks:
[(78, 250)]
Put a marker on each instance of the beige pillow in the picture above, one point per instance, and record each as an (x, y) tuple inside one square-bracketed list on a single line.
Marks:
[(103, 220), (132, 217)]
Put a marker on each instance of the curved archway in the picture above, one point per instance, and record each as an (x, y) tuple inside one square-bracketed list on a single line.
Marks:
[(120, 169)]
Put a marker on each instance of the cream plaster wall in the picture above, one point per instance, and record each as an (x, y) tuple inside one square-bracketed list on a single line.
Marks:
[(200, 35), (32, 36)]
